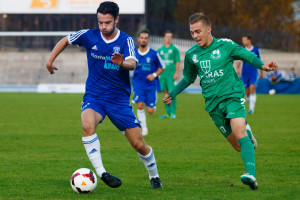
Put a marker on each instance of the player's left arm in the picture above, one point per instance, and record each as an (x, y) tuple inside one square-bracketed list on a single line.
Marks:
[(128, 64), (239, 53), (160, 68), (152, 76)]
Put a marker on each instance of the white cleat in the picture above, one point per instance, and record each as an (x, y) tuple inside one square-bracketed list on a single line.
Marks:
[(253, 140), (249, 180), (145, 131)]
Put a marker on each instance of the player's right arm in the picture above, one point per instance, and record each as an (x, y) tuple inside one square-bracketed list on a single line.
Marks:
[(189, 77), (59, 47)]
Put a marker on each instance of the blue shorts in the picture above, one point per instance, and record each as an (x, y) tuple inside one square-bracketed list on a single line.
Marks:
[(121, 115), (250, 79), (149, 96)]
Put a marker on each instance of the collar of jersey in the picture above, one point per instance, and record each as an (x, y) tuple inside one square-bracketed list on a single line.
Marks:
[(112, 40), (252, 47), (211, 45), (142, 54)]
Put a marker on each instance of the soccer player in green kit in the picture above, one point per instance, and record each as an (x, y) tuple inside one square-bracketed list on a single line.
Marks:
[(212, 60), (171, 57)]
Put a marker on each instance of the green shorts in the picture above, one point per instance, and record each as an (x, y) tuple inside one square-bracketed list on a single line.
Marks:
[(228, 109), (167, 83)]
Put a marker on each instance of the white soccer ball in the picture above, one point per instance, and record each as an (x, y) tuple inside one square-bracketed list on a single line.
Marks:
[(272, 91), (83, 180)]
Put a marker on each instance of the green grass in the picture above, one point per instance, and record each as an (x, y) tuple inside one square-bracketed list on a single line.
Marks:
[(40, 148)]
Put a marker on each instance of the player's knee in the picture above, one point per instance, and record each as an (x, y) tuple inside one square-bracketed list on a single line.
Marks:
[(87, 128), (150, 110), (139, 146)]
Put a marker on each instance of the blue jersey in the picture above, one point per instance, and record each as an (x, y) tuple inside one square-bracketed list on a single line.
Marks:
[(249, 70), (106, 81), (148, 63)]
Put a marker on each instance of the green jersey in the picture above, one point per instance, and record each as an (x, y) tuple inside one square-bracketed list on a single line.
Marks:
[(170, 56), (214, 66)]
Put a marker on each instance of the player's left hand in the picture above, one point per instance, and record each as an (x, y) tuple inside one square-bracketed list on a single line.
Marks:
[(150, 77), (167, 99), (117, 58), (270, 66)]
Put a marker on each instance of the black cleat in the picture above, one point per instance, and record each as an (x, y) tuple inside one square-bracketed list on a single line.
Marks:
[(111, 180), (155, 183)]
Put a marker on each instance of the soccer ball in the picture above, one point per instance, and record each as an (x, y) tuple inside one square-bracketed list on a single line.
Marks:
[(272, 91), (83, 180)]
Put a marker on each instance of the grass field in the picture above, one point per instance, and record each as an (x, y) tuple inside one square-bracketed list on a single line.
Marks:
[(40, 148)]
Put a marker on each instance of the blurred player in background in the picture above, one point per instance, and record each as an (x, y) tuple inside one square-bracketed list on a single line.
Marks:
[(171, 57), (212, 60), (145, 80), (110, 54), (249, 73)]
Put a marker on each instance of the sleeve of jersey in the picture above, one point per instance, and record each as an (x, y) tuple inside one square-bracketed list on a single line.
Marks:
[(240, 53), (129, 51), (76, 38), (189, 71), (160, 62), (179, 88)]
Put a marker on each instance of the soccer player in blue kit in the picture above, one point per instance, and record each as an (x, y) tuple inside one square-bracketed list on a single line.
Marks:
[(249, 74), (145, 81), (110, 54)]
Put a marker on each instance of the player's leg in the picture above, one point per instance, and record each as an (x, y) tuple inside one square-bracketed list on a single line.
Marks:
[(89, 120), (238, 126), (151, 100), (252, 98), (245, 79), (167, 107), (171, 85), (142, 117), (146, 154), (252, 90), (125, 120), (164, 89)]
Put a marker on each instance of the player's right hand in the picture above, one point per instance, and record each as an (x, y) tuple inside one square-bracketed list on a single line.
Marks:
[(51, 68), (167, 99)]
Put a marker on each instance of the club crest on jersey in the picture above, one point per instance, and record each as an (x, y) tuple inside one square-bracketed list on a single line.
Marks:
[(148, 59), (205, 66), (216, 54), (116, 49), (195, 60)]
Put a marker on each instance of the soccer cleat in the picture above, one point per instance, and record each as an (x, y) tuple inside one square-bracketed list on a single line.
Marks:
[(250, 112), (110, 180), (144, 131), (164, 117), (155, 183), (250, 180), (173, 116), (252, 138)]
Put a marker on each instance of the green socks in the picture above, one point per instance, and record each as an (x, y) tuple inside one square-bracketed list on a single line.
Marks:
[(248, 155), (173, 106), (168, 109)]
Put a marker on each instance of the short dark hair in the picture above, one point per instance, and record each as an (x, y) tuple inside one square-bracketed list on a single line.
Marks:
[(145, 31), (166, 32), (249, 37), (199, 17), (109, 7)]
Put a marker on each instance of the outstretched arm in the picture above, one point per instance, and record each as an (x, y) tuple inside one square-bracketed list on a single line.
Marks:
[(271, 66), (60, 46)]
